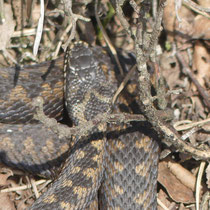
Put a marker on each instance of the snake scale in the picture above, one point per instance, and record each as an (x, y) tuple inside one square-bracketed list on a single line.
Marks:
[(114, 168)]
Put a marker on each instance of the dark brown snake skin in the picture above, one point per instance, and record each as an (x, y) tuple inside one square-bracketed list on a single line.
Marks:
[(116, 169), (44, 80)]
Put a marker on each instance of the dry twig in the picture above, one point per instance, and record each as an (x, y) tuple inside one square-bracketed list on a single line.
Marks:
[(198, 184), (197, 8), (81, 130), (189, 73), (106, 37), (144, 46)]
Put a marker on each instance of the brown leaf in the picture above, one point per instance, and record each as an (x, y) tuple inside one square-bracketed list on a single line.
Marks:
[(201, 63), (175, 28), (169, 17), (204, 3), (163, 197), (182, 174), (201, 27), (4, 174), (169, 69), (5, 203), (176, 190)]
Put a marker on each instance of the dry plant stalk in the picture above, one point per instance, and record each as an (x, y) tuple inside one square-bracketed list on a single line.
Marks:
[(145, 45)]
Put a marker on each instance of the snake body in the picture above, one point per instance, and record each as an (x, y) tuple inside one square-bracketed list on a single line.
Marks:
[(15, 99), (112, 170)]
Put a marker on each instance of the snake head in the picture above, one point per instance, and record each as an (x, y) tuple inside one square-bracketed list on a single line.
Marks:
[(86, 84)]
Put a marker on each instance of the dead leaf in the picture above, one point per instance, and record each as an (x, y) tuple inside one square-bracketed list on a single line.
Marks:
[(169, 17), (201, 63), (180, 29), (204, 3), (169, 69), (176, 190), (201, 27), (5, 202), (163, 197), (185, 176), (4, 174)]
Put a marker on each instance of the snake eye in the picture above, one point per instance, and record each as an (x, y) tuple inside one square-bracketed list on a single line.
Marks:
[(84, 62)]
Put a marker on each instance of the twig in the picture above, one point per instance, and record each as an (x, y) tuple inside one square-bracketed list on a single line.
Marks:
[(68, 28), (182, 146), (2, 13), (8, 55), (24, 187), (106, 37), (39, 29), (205, 201), (81, 130), (198, 184), (178, 5), (121, 17), (27, 32), (135, 6), (145, 98), (156, 29), (34, 186), (74, 18), (160, 203), (189, 133), (187, 71), (187, 124), (197, 8), (154, 8), (144, 78), (123, 83)]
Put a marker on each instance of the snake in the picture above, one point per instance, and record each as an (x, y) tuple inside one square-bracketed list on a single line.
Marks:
[(114, 167)]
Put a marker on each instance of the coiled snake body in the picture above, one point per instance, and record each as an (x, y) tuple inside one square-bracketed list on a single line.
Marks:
[(116, 169)]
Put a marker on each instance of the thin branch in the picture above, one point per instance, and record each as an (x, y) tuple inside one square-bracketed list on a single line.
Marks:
[(122, 18), (74, 18), (106, 37), (156, 29), (198, 184), (187, 71), (123, 83), (187, 124), (145, 98), (197, 8), (39, 29), (24, 187), (83, 129)]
